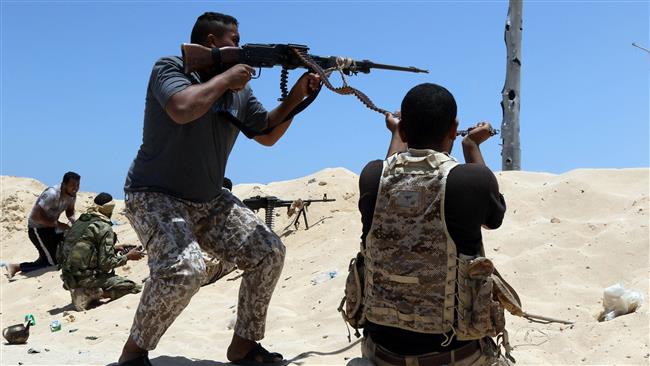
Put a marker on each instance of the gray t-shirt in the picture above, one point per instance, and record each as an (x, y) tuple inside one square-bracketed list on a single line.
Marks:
[(53, 203), (188, 161)]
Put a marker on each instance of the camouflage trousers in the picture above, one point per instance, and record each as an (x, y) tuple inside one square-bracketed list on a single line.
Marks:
[(174, 232), (93, 289), (486, 355)]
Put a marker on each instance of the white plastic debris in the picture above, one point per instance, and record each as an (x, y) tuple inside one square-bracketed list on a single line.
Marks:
[(324, 276), (618, 301)]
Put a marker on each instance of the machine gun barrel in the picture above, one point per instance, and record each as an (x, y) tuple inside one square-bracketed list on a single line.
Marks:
[(307, 202), (349, 65), (374, 65)]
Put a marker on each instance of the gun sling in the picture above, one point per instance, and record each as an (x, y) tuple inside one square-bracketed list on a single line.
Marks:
[(250, 132)]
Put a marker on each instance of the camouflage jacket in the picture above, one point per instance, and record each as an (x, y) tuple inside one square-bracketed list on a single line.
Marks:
[(88, 250)]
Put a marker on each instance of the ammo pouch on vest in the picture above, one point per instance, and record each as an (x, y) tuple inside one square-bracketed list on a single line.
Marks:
[(479, 313), (351, 306)]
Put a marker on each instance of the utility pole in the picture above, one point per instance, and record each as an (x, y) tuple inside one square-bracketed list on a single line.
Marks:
[(510, 102)]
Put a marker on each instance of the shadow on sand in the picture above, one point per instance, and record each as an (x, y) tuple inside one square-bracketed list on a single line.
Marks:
[(37, 272), (184, 361), (298, 360), (61, 309), (288, 230), (181, 361)]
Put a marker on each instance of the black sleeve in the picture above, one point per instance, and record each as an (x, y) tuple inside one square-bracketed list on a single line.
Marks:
[(496, 205), (368, 188), (472, 199)]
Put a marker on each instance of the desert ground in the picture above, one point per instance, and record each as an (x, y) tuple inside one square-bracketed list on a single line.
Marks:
[(565, 238)]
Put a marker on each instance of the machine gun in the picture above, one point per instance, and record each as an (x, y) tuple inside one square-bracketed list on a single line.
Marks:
[(289, 56), (271, 202)]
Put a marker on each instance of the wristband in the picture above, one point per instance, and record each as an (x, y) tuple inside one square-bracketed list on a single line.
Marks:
[(216, 56)]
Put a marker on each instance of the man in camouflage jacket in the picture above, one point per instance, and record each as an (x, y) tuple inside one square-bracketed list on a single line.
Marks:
[(88, 257)]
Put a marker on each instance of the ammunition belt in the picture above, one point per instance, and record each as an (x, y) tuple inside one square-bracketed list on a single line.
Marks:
[(343, 90)]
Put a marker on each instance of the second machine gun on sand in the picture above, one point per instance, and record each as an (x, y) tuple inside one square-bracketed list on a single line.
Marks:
[(269, 203)]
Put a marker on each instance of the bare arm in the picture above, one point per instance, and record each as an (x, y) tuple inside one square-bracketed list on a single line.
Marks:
[(196, 100), (69, 212), (306, 85), (472, 151), (396, 143), (276, 116), (471, 142)]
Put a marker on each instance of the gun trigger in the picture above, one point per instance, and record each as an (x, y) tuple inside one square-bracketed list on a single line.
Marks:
[(259, 73)]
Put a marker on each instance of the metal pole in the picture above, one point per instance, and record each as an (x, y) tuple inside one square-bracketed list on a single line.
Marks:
[(510, 103)]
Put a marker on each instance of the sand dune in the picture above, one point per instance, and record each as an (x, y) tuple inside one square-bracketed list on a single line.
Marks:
[(564, 240)]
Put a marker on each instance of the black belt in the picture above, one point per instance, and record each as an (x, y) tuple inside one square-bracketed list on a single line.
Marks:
[(431, 360)]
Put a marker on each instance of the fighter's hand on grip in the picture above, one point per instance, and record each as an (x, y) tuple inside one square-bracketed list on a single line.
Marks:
[(481, 132), (307, 84), (238, 75), (392, 120)]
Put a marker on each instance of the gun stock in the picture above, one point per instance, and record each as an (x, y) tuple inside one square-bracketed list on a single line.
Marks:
[(197, 57)]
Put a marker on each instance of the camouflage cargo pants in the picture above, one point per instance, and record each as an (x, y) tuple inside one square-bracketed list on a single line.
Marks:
[(174, 232), (92, 289), (116, 286)]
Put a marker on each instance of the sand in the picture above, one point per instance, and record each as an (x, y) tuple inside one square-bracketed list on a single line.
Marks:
[(565, 239)]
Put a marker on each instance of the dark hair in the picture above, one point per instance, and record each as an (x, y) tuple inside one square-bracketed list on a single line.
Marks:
[(103, 198), (70, 176), (210, 22), (428, 113)]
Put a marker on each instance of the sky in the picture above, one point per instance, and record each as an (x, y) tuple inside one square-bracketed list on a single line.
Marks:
[(74, 77)]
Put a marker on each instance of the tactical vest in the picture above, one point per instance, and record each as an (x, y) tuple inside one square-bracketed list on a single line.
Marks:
[(414, 279), (410, 259), (70, 273)]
